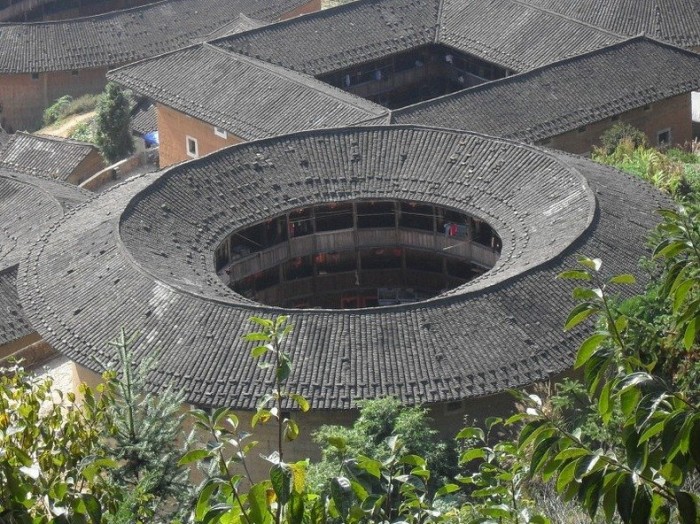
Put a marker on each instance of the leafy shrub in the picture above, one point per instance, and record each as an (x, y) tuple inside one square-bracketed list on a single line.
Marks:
[(54, 112), (85, 132), (613, 136), (67, 106)]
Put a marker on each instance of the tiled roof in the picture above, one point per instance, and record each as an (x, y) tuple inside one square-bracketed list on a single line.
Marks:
[(141, 256), (244, 96), (515, 35), (675, 21), (241, 24), (13, 322), (336, 38), (44, 156), (565, 95), (123, 36), (28, 205), (143, 117), (506, 32)]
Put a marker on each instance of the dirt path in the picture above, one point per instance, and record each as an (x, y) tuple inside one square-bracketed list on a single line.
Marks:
[(65, 127)]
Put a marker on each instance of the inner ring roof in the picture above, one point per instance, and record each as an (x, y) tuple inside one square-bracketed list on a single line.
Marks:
[(538, 205), (140, 256)]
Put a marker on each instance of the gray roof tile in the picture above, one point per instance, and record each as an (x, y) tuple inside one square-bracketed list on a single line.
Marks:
[(245, 96), (124, 36), (565, 95), (116, 263), (675, 21), (44, 156)]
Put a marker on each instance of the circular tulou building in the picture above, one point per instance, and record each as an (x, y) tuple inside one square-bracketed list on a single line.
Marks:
[(413, 262)]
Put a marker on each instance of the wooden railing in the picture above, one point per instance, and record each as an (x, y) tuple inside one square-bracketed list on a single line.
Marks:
[(350, 239)]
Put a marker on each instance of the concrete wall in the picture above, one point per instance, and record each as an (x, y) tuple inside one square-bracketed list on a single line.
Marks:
[(173, 129), (23, 98), (673, 113)]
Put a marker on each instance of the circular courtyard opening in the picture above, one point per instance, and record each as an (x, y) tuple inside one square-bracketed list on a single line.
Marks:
[(356, 254)]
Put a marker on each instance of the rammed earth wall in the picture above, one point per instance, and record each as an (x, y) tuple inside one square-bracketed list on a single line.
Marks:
[(173, 129), (24, 98), (672, 114)]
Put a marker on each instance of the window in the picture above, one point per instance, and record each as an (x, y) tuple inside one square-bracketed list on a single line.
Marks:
[(663, 137), (192, 148), (647, 107), (615, 118), (582, 129), (35, 76), (220, 132), (75, 72)]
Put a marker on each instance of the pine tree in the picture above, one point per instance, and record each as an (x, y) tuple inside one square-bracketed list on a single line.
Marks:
[(143, 440), (113, 119)]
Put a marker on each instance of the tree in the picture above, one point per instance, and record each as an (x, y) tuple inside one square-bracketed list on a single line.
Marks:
[(645, 478), (142, 440), (51, 461), (113, 124)]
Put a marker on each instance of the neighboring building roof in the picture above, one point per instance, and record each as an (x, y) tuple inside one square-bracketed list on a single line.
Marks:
[(123, 36), (13, 322), (143, 117), (241, 24), (675, 21), (141, 256), (45, 156), (246, 97), (565, 95), (28, 205), (515, 35), (505, 32)]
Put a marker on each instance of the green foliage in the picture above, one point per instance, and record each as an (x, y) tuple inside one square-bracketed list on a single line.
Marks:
[(379, 419), (85, 132), (498, 480), (643, 479), (675, 171), (619, 133), (55, 111), (142, 440), (51, 461), (67, 106), (394, 489), (113, 124), (280, 498)]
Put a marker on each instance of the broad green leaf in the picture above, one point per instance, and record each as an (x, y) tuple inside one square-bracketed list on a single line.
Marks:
[(672, 474), (446, 490), (623, 279), (579, 314), (281, 479), (194, 455), (641, 509), (687, 507), (690, 331), (301, 402), (342, 495), (472, 454), (259, 351), (471, 432), (680, 293), (340, 443), (626, 493), (291, 431), (258, 504), (588, 347)]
